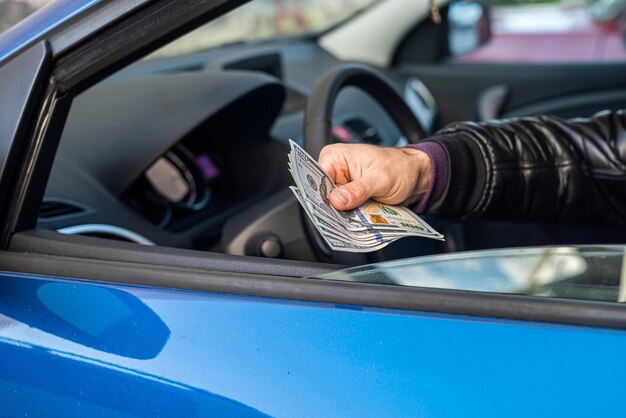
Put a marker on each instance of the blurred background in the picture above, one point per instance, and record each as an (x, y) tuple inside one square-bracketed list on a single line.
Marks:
[(522, 30)]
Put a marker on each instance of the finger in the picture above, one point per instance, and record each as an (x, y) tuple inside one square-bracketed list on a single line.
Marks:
[(328, 166), (337, 162), (334, 171), (350, 195), (327, 158), (339, 172)]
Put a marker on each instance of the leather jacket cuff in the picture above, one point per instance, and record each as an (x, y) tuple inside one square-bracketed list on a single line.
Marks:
[(439, 170)]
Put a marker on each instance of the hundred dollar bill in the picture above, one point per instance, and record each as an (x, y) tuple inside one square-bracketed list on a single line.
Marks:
[(390, 217), (339, 232), (340, 245), (335, 241), (314, 184), (369, 227)]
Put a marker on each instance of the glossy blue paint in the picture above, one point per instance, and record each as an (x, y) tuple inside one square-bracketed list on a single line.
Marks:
[(39, 23), (198, 354)]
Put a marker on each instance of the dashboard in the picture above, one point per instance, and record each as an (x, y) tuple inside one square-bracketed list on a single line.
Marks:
[(170, 150)]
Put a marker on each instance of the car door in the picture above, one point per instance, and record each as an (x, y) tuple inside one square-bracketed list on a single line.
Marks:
[(93, 327)]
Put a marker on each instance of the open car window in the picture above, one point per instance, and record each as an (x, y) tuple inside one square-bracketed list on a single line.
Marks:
[(190, 151), (588, 273)]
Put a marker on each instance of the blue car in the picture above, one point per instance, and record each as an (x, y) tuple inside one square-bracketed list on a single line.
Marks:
[(154, 262)]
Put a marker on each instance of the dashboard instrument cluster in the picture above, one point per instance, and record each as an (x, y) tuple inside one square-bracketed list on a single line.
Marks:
[(177, 183)]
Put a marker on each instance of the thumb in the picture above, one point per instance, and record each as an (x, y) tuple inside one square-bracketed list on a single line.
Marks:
[(350, 195)]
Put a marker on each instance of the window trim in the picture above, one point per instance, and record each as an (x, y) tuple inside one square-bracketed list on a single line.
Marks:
[(21, 105), (118, 262)]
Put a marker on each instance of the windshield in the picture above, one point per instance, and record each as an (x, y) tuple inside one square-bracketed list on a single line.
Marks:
[(267, 19), (589, 273)]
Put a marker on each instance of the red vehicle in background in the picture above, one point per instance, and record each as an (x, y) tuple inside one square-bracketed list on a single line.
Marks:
[(554, 33)]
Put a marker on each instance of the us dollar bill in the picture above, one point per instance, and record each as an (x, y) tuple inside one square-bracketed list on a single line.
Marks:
[(369, 227), (333, 237)]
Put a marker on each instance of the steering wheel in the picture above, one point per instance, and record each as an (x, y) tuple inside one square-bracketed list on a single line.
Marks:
[(321, 101), (318, 123)]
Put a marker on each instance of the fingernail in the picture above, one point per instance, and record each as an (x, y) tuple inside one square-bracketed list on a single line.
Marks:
[(341, 197)]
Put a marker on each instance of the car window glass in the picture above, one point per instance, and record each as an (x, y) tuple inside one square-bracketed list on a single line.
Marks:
[(538, 31), (589, 273), (14, 11)]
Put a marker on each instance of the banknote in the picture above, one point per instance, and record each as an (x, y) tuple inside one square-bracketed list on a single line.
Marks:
[(379, 215), (367, 236), (335, 241), (314, 184), (369, 227)]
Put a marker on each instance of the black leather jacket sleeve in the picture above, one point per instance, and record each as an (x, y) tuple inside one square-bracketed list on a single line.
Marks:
[(540, 169)]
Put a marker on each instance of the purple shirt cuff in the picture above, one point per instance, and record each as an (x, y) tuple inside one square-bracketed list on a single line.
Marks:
[(439, 167)]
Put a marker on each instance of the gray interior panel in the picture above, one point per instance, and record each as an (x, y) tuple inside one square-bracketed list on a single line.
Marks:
[(161, 108), (55, 244)]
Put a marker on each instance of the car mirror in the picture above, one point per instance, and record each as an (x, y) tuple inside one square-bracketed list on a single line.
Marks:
[(469, 26)]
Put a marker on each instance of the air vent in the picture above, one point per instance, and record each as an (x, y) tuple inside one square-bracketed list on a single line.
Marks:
[(53, 209)]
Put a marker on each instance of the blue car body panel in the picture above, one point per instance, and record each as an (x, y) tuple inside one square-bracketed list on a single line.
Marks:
[(85, 348)]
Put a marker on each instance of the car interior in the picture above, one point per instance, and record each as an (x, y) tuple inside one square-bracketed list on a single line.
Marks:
[(189, 151)]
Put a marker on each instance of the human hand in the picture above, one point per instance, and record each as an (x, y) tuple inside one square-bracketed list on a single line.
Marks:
[(388, 175)]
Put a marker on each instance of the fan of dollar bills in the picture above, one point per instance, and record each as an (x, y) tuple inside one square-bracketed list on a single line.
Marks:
[(369, 227)]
